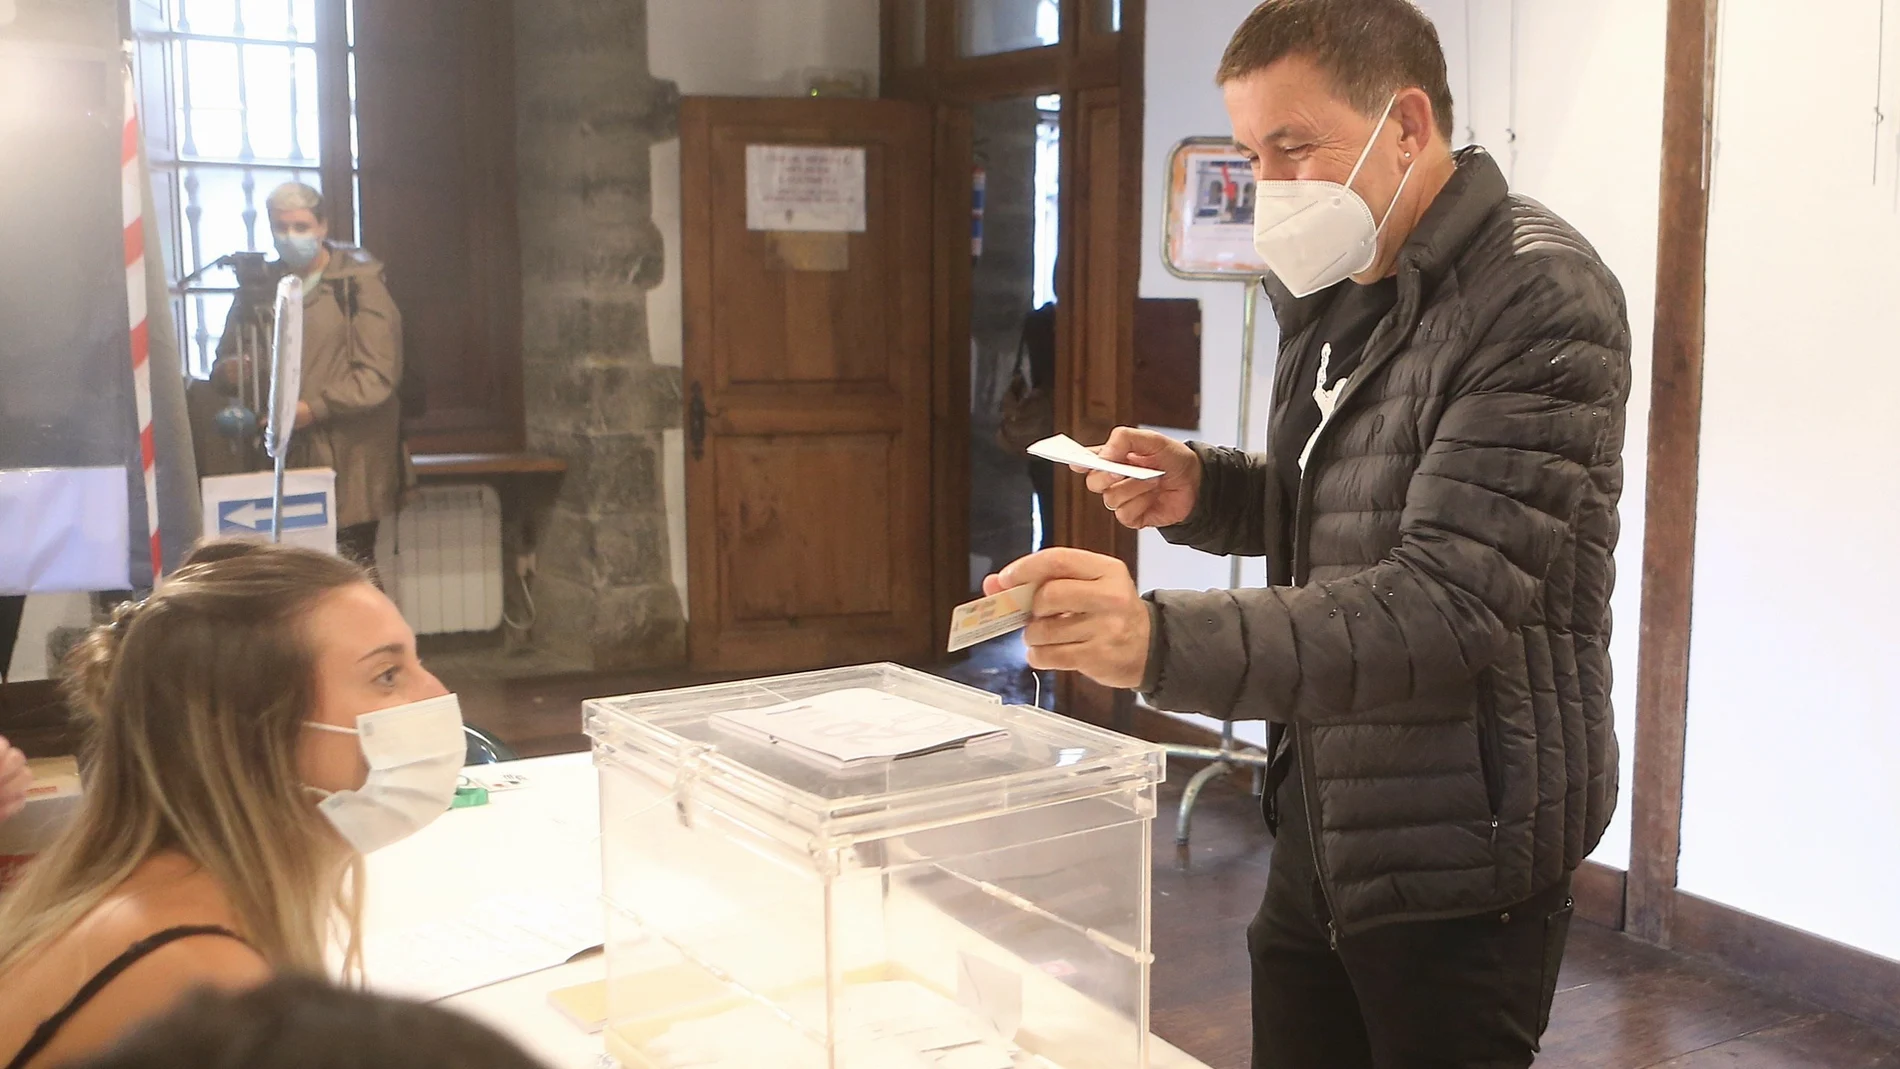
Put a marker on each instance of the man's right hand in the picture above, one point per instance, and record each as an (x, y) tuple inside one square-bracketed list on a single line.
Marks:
[(1139, 503)]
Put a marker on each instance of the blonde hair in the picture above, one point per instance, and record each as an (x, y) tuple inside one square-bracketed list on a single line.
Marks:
[(292, 196), (192, 704)]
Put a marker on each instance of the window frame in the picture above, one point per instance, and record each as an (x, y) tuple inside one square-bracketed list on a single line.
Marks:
[(161, 42)]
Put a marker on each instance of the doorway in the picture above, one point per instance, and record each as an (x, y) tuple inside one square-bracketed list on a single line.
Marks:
[(1017, 148)]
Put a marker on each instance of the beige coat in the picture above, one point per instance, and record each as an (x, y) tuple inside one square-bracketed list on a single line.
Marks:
[(352, 366)]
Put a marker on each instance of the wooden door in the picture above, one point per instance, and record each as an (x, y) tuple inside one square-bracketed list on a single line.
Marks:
[(1095, 324), (808, 395)]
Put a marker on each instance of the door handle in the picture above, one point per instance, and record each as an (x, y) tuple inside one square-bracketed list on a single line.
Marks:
[(696, 422)]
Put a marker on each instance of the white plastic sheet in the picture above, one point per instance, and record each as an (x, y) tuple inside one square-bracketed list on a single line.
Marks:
[(66, 530), (286, 382)]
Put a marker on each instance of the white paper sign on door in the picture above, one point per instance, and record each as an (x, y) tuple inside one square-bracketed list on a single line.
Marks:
[(804, 187)]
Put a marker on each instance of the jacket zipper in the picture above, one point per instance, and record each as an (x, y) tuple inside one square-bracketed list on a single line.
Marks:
[(1312, 836), (1300, 538), (1488, 759), (1299, 734)]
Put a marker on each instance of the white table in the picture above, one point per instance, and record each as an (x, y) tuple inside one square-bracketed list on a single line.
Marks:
[(539, 838)]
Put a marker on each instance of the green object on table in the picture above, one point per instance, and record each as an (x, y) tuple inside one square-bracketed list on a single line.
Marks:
[(469, 797)]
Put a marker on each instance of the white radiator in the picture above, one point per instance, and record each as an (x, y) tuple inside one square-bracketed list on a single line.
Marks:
[(440, 559)]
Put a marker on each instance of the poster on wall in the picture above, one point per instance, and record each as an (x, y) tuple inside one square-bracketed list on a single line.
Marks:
[(807, 188), (1209, 215)]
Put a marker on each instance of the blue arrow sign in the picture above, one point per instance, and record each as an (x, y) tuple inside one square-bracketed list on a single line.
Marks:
[(253, 515)]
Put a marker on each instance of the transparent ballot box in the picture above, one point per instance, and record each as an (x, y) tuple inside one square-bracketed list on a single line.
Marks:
[(784, 890)]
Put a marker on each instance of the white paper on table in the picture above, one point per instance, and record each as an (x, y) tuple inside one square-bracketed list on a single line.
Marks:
[(1063, 449), (503, 937), (857, 726)]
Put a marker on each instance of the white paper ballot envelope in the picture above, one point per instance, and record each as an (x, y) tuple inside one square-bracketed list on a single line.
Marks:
[(1063, 449)]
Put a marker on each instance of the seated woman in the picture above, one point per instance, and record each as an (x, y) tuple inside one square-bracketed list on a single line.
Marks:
[(251, 729)]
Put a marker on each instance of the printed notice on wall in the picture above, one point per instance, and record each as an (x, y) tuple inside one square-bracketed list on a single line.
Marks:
[(804, 187)]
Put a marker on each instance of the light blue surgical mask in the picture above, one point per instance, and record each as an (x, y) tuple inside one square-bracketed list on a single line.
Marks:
[(298, 251)]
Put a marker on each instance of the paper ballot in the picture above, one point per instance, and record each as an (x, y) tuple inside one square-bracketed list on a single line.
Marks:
[(1063, 449), (849, 728)]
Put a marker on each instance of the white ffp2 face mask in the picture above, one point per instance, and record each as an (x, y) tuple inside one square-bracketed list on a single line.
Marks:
[(1315, 234), (415, 754), (297, 251)]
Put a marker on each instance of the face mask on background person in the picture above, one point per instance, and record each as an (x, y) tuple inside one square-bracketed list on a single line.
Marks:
[(1313, 234), (297, 251), (415, 754)]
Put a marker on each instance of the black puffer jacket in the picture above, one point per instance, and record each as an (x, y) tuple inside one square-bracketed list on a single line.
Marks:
[(1437, 632)]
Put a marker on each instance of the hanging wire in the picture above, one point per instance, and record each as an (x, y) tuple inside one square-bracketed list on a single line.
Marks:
[(1511, 130), (1471, 62), (1713, 53), (1880, 85), (527, 596)]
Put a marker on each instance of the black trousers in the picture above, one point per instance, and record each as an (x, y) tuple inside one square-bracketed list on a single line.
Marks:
[(1468, 993)]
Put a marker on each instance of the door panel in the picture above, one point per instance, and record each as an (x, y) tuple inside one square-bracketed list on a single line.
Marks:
[(790, 554), (808, 374), (1095, 366)]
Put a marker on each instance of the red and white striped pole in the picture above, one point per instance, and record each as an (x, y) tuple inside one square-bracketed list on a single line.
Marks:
[(132, 190)]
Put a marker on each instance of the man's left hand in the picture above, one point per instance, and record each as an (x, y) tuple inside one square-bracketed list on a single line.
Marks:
[(1088, 616), (304, 416)]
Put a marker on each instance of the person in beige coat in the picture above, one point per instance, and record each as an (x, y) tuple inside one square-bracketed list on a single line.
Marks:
[(349, 414)]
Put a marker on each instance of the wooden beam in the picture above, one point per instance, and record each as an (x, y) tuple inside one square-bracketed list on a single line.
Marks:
[(1675, 423), (333, 119)]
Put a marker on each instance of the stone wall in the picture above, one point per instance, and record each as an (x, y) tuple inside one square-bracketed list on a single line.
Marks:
[(588, 113)]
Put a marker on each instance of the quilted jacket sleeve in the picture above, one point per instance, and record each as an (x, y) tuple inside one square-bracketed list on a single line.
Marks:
[(1231, 514), (1490, 507)]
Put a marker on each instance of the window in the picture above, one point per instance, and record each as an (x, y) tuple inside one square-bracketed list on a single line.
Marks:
[(1048, 202), (991, 26), (262, 92)]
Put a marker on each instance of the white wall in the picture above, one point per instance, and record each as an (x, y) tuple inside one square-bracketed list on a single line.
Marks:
[(1791, 805), (1183, 102), (731, 48), (1588, 116)]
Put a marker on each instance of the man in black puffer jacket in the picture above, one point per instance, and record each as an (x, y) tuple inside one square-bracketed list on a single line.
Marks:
[(1438, 510)]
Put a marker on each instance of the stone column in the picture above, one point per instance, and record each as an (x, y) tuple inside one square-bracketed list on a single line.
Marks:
[(587, 113)]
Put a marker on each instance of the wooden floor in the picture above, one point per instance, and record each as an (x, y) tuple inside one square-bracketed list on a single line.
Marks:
[(1620, 1005)]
